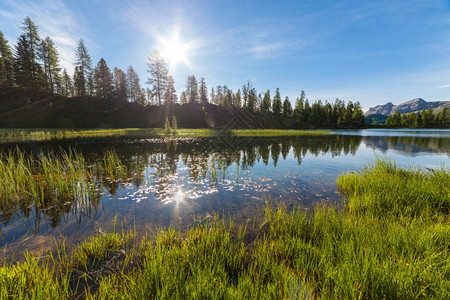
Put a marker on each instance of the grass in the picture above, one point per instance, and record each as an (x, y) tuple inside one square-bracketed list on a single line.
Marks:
[(389, 240), (21, 135), (26, 177), (55, 181)]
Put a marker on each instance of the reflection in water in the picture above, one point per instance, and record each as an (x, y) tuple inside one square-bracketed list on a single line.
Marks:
[(169, 180)]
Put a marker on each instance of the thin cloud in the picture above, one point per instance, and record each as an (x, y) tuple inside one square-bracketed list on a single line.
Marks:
[(444, 86), (270, 50), (53, 19)]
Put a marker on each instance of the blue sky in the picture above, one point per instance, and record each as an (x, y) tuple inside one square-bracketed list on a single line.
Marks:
[(367, 51)]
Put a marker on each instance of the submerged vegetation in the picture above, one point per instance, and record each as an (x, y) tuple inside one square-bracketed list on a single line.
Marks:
[(388, 240)]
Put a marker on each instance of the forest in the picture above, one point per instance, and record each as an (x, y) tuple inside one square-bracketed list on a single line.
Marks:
[(423, 119), (32, 67)]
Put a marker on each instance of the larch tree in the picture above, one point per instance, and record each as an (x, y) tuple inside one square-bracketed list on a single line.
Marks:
[(6, 63), (84, 83), (103, 80), (27, 69), (52, 71), (157, 68)]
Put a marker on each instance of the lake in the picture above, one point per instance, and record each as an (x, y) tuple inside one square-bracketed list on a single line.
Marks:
[(171, 181)]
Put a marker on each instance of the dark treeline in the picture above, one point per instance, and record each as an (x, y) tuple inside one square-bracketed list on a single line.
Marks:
[(33, 65), (423, 119)]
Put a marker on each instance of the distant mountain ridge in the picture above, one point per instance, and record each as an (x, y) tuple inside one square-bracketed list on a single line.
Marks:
[(413, 105)]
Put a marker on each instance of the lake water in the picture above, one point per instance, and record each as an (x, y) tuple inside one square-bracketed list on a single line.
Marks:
[(172, 181)]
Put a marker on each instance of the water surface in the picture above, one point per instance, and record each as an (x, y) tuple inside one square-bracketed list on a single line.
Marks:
[(172, 181)]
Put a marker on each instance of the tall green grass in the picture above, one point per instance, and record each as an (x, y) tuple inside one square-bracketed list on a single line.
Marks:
[(389, 241), (43, 178)]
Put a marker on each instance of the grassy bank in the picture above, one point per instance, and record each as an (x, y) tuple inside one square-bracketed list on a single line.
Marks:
[(20, 135), (389, 240)]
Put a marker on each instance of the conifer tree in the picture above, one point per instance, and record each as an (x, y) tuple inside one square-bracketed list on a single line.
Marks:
[(27, 69), (265, 104), (251, 100), (219, 95), (174, 123), (238, 99), (277, 106), (84, 83), (287, 108), (6, 63), (212, 96), (299, 110), (67, 85), (192, 89), (183, 98), (203, 91), (134, 87), (170, 96), (49, 57), (120, 84), (158, 75), (103, 80)]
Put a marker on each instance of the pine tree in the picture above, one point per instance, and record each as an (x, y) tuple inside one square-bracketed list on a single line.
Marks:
[(170, 96), (203, 91), (299, 110), (219, 95), (49, 56), (245, 91), (167, 128), (174, 123), (228, 99), (85, 82), (183, 98), (103, 80), (67, 85), (277, 106), (238, 99), (192, 89), (287, 108), (212, 96), (27, 69), (6, 63), (265, 104), (120, 84), (141, 97), (158, 75), (251, 100), (134, 87)]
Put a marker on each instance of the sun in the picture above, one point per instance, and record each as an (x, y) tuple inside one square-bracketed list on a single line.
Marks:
[(174, 51)]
